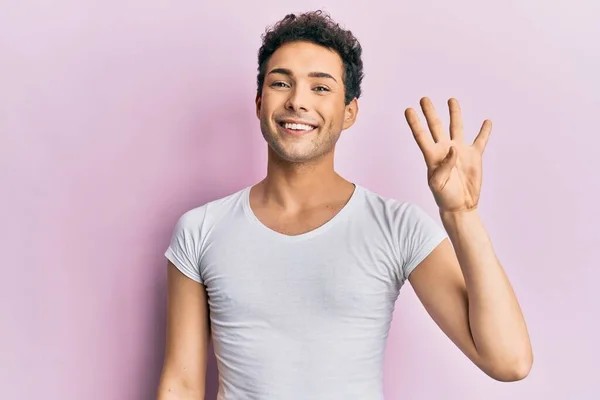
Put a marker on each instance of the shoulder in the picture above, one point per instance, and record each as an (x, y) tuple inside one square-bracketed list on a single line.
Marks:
[(395, 211), (211, 211), (192, 231), (407, 223)]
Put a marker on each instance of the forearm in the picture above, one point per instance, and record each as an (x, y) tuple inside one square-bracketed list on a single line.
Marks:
[(497, 325), (173, 389), (173, 396)]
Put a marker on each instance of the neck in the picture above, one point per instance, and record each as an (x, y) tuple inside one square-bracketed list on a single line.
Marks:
[(297, 185)]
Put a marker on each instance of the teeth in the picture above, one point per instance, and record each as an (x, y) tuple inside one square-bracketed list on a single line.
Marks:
[(298, 127)]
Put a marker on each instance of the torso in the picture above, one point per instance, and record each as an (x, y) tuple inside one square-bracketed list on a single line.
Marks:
[(302, 309)]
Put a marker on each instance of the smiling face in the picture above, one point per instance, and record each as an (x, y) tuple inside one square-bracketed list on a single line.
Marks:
[(301, 109)]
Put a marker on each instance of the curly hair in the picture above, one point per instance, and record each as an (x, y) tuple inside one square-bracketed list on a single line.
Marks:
[(316, 27)]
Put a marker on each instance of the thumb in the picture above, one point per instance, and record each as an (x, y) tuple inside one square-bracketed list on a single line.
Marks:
[(442, 172)]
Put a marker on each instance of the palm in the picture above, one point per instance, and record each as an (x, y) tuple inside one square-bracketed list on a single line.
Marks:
[(453, 177)]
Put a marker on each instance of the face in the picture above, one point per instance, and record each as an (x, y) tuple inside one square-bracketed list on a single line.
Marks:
[(301, 110)]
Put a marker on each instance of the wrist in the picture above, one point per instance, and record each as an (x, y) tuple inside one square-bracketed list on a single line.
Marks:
[(458, 216)]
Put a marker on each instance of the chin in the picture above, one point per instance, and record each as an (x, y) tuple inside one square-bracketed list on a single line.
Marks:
[(291, 156), (297, 155)]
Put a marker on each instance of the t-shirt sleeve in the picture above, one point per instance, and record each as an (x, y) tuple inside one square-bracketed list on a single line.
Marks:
[(185, 246), (419, 235)]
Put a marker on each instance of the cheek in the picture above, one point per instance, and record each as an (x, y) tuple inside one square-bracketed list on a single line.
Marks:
[(268, 105), (332, 126), (338, 117)]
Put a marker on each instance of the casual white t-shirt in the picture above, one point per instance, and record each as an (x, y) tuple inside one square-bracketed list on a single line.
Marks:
[(306, 316)]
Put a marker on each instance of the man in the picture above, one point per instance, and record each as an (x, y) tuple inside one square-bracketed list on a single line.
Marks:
[(295, 278)]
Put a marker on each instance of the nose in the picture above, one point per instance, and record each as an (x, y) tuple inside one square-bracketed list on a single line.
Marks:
[(297, 99)]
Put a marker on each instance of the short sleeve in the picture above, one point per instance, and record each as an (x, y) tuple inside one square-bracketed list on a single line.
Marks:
[(419, 235), (185, 245)]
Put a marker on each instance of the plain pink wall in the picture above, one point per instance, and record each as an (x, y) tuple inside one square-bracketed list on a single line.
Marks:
[(117, 116)]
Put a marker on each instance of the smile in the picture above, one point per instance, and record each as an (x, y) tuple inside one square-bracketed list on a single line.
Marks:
[(297, 128)]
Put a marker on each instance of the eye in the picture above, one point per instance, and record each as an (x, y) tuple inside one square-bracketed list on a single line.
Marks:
[(279, 84), (321, 89)]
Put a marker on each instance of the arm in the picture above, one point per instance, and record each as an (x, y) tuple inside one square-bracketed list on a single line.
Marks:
[(465, 288), (468, 295), (187, 338)]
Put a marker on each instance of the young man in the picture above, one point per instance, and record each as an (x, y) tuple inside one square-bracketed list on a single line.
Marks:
[(295, 278)]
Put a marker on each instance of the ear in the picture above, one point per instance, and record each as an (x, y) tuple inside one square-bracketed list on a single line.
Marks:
[(258, 103), (350, 113)]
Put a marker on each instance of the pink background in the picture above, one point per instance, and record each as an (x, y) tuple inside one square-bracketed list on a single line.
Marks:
[(117, 116)]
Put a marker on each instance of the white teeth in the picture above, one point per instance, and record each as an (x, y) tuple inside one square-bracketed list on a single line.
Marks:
[(298, 127)]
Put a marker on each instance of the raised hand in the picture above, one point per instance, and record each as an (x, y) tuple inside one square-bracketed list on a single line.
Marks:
[(454, 169)]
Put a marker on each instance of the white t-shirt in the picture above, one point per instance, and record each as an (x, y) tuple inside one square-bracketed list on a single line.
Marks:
[(306, 316)]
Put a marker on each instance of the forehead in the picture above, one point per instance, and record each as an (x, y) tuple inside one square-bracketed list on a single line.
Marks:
[(304, 57)]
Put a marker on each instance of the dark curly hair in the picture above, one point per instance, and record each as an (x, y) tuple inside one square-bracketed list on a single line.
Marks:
[(316, 27)]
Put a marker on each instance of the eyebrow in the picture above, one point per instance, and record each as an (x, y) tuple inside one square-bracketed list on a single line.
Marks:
[(286, 71)]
